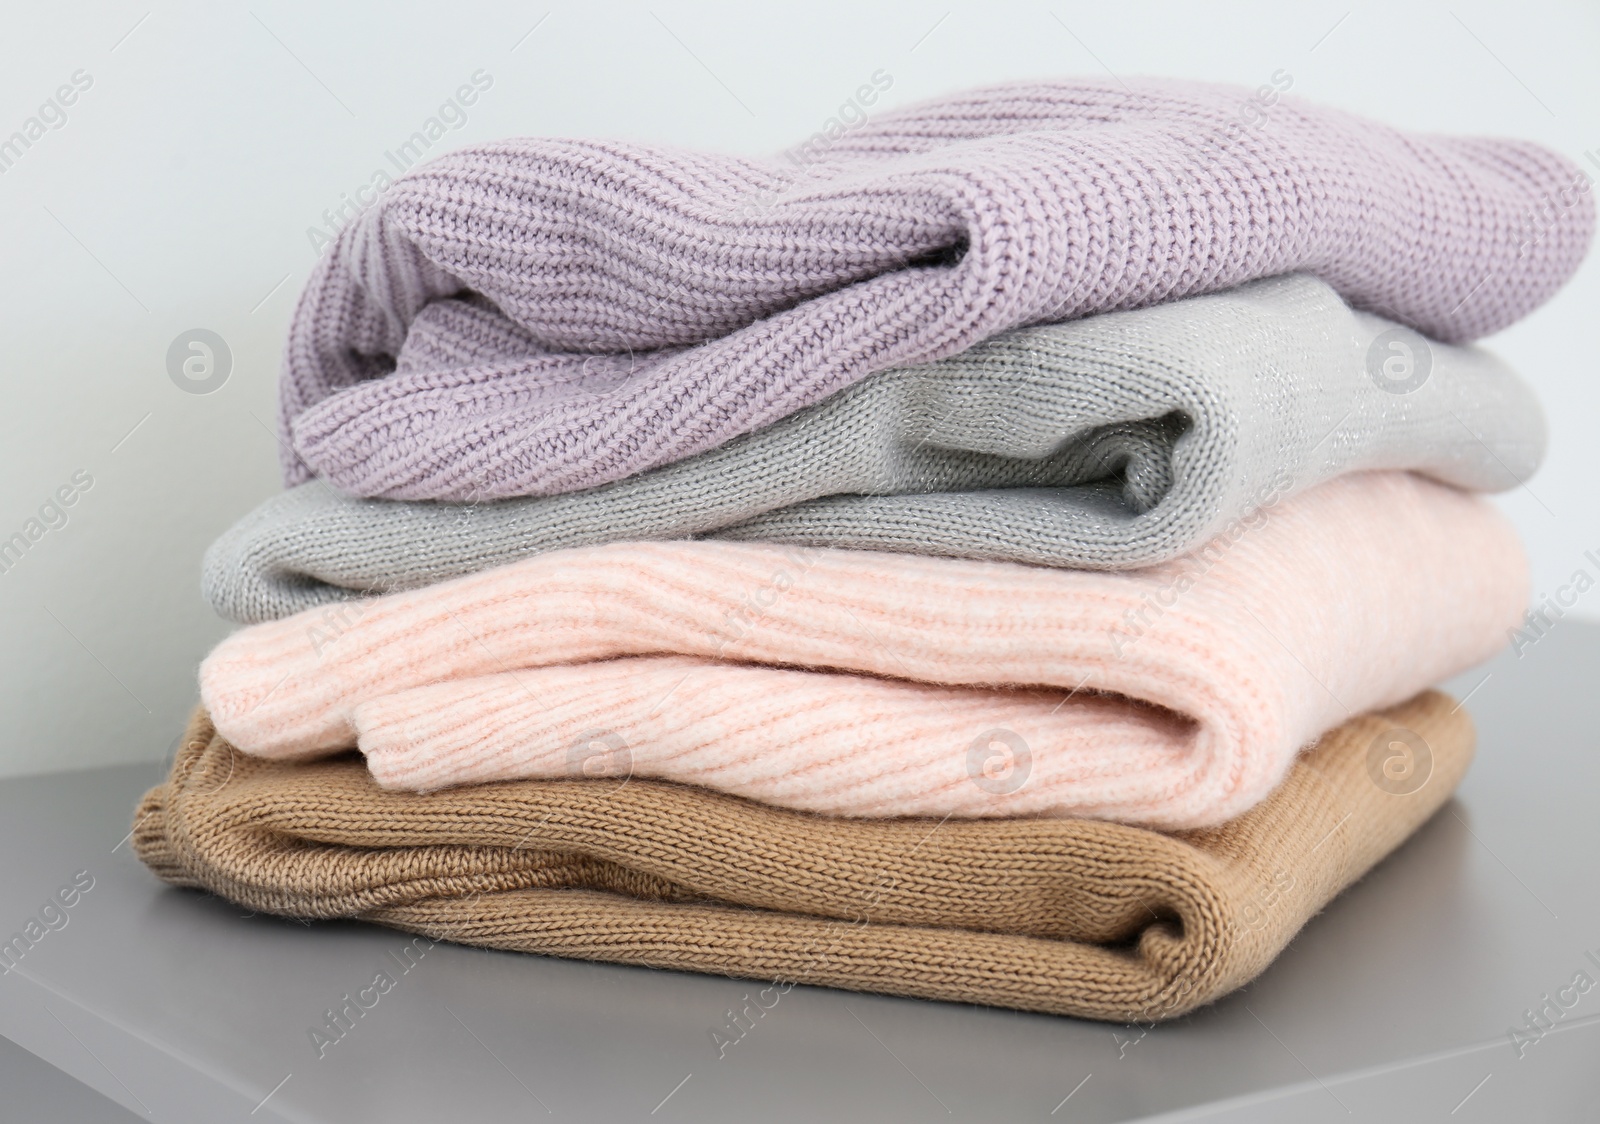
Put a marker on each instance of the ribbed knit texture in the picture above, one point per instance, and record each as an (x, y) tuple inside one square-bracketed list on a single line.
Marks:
[(868, 684), (1071, 917), (539, 316), (1113, 442)]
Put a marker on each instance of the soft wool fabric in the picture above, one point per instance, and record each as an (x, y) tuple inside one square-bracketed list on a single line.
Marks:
[(1113, 442), (866, 684), (1072, 917), (539, 316)]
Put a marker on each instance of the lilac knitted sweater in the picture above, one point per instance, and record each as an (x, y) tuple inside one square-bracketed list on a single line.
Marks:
[(538, 316)]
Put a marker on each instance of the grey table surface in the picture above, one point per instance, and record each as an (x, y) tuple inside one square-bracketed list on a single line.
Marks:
[(1397, 1003)]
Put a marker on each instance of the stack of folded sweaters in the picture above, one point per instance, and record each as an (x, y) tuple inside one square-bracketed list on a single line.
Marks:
[(1002, 559)]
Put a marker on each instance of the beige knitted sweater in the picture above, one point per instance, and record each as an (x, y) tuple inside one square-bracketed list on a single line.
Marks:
[(1076, 917)]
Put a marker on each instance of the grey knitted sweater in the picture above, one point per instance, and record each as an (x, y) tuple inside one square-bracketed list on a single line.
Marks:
[(1113, 442)]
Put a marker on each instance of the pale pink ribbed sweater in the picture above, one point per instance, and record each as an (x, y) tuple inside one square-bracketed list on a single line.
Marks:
[(1196, 681)]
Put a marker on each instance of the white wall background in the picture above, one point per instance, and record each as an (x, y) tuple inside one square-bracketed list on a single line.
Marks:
[(178, 194)]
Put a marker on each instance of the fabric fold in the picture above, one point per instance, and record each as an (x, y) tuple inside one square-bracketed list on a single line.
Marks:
[(1114, 442), (868, 684), (1071, 917), (539, 316)]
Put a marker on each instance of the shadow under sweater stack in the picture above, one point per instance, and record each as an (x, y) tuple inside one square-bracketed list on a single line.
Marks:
[(1006, 560)]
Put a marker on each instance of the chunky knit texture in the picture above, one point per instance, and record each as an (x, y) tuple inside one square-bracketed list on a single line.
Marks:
[(889, 685), (1113, 442), (1072, 917), (539, 316)]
